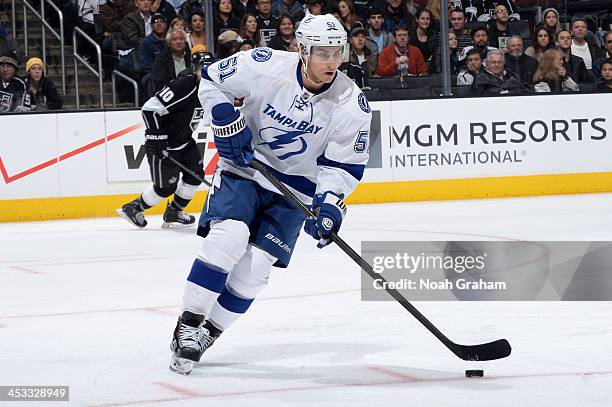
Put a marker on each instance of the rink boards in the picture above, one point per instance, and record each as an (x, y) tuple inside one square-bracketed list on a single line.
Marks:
[(86, 164)]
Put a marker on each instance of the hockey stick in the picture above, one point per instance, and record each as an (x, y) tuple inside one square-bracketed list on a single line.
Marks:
[(187, 170), (486, 351)]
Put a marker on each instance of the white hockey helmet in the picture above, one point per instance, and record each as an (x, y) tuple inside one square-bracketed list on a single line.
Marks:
[(321, 30)]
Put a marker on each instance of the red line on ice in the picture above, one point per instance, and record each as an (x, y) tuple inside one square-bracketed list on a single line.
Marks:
[(180, 390), (25, 270)]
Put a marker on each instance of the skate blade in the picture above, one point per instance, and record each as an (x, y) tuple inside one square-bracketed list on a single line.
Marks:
[(176, 225), (127, 219), (180, 365)]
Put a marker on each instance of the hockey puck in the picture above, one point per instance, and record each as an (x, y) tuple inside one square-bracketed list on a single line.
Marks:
[(474, 373)]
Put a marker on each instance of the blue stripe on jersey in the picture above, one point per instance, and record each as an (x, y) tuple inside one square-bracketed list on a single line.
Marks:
[(297, 182), (356, 170), (205, 74), (233, 303), (207, 276)]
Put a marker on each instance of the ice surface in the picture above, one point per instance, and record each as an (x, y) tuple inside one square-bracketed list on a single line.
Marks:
[(92, 304)]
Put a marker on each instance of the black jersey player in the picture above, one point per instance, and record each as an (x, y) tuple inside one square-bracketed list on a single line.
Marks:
[(169, 117)]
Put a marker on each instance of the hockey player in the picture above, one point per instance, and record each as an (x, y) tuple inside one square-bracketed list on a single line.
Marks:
[(170, 117), (309, 124)]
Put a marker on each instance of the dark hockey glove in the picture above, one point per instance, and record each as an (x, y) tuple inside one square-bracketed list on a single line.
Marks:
[(232, 136), (330, 210), (156, 143)]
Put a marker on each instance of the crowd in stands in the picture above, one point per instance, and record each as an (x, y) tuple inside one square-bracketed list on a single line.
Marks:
[(151, 41)]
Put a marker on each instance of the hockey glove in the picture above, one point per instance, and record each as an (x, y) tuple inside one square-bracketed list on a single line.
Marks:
[(232, 136), (156, 143), (330, 210)]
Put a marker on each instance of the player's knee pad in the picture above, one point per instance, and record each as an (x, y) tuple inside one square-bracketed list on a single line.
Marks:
[(185, 190), (251, 274), (225, 244), (150, 196), (164, 192)]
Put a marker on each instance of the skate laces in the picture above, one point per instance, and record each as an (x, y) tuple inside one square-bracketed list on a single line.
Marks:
[(139, 216), (183, 216), (195, 337)]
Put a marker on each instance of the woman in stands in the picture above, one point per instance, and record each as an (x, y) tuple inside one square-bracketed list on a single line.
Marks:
[(43, 94), (178, 22), (225, 18), (550, 21), (197, 35), (541, 42), (424, 36), (551, 76), (286, 34), (248, 30), (348, 15)]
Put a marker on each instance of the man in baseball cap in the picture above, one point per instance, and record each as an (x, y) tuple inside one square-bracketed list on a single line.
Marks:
[(13, 95)]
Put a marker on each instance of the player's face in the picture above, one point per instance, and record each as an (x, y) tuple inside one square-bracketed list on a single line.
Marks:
[(606, 72), (36, 72), (551, 19), (323, 63), (7, 72), (197, 23), (376, 21)]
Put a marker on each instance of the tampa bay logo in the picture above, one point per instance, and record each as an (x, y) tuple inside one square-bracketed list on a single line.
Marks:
[(284, 143)]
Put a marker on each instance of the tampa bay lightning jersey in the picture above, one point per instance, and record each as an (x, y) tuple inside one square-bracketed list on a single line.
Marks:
[(312, 142)]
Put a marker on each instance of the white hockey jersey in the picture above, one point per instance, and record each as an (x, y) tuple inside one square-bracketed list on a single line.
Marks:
[(311, 142)]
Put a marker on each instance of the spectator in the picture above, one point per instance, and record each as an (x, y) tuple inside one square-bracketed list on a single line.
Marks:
[(197, 34), (483, 10), (248, 30), (522, 65), (494, 80), (348, 15), (179, 23), (228, 44), (473, 65), (540, 43), (551, 76), (608, 54), (267, 24), (13, 93), (225, 19), (573, 64), (480, 39), (434, 9), (453, 55), (550, 21), (499, 29), (401, 58), (423, 36), (605, 85), (292, 8), (376, 32), (190, 7), (43, 94), (246, 45), (294, 46), (457, 20), (362, 63), (8, 46), (164, 8), (286, 34), (580, 46), (170, 62), (396, 14), (153, 43), (86, 23), (134, 28), (112, 13), (314, 7), (242, 7)]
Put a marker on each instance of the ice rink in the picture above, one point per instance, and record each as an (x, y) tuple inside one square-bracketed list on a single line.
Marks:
[(92, 304)]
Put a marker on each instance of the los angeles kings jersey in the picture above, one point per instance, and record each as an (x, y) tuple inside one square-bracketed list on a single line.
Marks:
[(312, 142)]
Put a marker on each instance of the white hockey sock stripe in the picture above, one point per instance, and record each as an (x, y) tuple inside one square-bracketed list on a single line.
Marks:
[(150, 197)]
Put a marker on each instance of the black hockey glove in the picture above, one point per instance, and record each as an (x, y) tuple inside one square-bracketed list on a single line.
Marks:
[(156, 143)]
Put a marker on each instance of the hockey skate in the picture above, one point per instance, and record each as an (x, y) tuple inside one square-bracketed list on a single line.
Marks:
[(192, 336), (173, 218), (131, 212)]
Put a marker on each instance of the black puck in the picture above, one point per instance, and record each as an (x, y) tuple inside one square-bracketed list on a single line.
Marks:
[(474, 373)]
